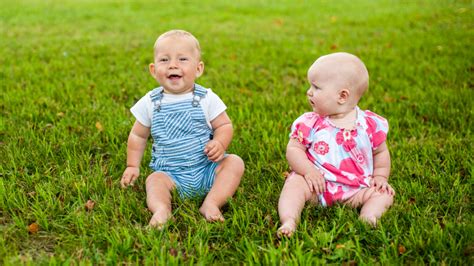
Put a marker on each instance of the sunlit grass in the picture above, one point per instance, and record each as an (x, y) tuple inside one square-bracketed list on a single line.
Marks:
[(70, 70)]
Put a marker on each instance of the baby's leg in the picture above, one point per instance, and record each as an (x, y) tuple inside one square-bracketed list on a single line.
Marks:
[(374, 204), (228, 175), (158, 198), (293, 197), (374, 207)]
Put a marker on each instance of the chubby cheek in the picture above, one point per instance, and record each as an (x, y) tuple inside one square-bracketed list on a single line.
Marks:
[(161, 75), (155, 72)]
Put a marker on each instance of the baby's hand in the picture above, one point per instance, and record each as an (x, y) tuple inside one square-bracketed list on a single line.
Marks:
[(315, 181), (129, 176), (381, 184), (214, 150)]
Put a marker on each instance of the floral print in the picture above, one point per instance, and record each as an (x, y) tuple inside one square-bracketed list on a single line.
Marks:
[(321, 147), (346, 138), (344, 156)]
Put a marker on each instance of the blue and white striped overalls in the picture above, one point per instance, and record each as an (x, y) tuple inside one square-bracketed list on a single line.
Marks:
[(180, 133)]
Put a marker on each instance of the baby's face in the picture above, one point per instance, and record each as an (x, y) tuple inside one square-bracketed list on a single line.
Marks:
[(323, 93), (177, 64), (337, 82)]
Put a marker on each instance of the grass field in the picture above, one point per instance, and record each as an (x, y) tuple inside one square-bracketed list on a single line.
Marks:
[(70, 71)]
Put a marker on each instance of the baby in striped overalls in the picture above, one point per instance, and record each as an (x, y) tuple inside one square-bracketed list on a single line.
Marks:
[(191, 132)]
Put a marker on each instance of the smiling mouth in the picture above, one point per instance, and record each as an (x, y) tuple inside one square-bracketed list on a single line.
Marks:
[(174, 76)]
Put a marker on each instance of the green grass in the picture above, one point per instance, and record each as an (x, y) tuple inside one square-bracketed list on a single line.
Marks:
[(66, 65)]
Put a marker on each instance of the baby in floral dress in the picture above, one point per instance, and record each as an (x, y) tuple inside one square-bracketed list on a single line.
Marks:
[(337, 152)]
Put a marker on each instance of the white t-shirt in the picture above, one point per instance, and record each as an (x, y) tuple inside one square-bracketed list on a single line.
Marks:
[(211, 105)]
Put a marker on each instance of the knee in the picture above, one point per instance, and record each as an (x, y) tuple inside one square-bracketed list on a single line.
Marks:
[(387, 199), (156, 178), (151, 179), (296, 187), (236, 163), (374, 209), (377, 198)]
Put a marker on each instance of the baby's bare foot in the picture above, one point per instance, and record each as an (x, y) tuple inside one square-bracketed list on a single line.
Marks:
[(158, 220), (286, 229), (211, 213), (370, 220)]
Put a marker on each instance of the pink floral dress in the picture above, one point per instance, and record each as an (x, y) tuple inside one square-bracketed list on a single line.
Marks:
[(344, 157)]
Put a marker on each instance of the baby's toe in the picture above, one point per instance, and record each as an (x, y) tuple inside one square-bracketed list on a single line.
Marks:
[(158, 220), (156, 225), (215, 218), (284, 231)]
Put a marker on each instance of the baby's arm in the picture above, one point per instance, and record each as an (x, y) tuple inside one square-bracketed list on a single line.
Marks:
[(223, 131), (382, 169), (135, 148), (298, 161)]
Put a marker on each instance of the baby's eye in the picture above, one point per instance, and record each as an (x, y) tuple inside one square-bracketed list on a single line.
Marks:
[(183, 59), (163, 60)]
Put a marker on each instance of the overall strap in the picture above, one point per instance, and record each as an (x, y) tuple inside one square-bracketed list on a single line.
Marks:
[(200, 90), (156, 97), (199, 93)]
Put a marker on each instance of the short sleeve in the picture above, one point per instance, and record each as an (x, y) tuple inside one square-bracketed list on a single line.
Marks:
[(377, 129), (215, 105), (301, 128), (143, 110)]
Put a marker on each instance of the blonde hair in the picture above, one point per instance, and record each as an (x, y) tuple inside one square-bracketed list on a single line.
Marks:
[(179, 33)]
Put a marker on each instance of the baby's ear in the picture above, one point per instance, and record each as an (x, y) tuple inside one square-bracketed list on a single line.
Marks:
[(200, 69), (151, 67), (343, 96)]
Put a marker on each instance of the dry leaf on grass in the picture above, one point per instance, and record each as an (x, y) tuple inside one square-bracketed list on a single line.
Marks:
[(99, 126), (401, 249), (33, 228), (90, 205), (349, 263)]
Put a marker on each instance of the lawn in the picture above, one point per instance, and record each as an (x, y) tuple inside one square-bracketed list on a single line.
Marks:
[(70, 71)]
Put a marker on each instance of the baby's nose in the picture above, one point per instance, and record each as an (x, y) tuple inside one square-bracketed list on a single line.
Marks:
[(309, 93), (173, 63)]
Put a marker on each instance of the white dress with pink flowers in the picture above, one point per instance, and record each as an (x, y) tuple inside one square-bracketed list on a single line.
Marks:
[(344, 157)]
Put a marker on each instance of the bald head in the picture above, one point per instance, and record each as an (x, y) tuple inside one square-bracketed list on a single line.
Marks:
[(346, 70), (179, 34)]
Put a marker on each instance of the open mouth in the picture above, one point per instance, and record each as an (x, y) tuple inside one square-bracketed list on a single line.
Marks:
[(174, 76)]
